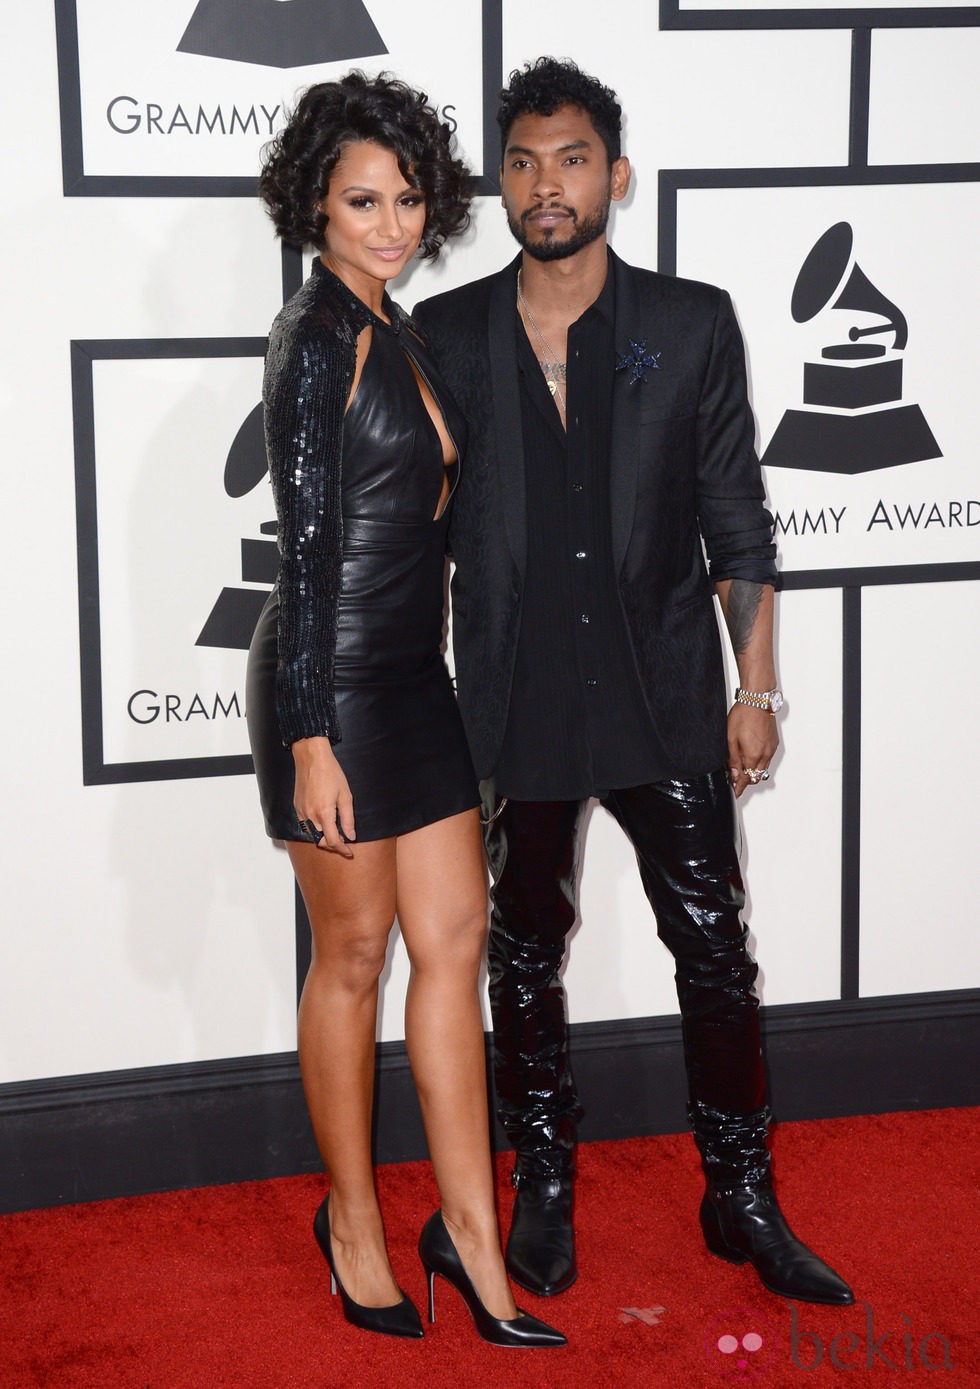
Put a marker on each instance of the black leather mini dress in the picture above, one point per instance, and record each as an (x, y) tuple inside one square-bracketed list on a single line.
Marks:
[(396, 730)]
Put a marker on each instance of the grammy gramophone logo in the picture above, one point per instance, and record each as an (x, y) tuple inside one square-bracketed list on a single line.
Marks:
[(282, 33), (856, 421), (232, 619)]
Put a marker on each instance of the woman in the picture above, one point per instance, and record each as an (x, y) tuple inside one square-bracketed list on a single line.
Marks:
[(359, 752)]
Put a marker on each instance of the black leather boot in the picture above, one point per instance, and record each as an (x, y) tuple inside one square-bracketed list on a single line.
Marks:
[(747, 1225), (540, 1253), (740, 1216), (533, 854)]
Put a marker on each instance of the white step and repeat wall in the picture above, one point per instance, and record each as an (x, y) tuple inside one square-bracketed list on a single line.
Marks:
[(146, 919)]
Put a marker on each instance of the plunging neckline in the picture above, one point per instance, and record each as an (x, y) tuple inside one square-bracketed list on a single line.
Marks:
[(450, 469)]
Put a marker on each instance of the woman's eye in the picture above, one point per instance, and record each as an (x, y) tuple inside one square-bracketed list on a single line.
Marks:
[(412, 200), (360, 202)]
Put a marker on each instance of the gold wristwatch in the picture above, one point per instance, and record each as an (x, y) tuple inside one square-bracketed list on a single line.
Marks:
[(770, 700)]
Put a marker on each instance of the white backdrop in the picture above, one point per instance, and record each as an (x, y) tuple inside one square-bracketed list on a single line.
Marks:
[(146, 919)]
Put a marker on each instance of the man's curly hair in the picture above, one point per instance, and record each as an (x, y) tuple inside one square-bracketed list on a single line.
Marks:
[(541, 87), (298, 163)]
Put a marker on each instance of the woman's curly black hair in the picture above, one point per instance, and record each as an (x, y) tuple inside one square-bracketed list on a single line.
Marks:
[(298, 163), (539, 88)]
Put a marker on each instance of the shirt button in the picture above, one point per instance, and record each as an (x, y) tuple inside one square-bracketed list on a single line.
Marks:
[(580, 554), (591, 684), (576, 487), (585, 617)]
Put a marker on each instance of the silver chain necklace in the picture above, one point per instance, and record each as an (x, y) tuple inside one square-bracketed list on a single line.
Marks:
[(554, 370)]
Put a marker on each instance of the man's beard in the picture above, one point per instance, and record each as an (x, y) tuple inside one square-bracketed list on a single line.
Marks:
[(550, 248)]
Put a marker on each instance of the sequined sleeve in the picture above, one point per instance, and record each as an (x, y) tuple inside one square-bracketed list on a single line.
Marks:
[(308, 376)]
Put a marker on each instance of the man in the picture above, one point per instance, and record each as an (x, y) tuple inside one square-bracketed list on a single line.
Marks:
[(610, 434)]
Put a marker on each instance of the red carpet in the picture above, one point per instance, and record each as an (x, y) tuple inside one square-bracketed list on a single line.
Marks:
[(225, 1287)]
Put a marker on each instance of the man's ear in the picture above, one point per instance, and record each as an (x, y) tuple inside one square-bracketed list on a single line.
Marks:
[(620, 174)]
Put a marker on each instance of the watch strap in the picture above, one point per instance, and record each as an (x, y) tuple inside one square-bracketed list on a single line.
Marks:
[(769, 700)]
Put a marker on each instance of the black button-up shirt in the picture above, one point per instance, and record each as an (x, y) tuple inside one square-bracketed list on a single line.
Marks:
[(577, 724)]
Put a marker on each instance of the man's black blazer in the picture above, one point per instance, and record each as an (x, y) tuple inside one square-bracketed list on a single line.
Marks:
[(683, 468)]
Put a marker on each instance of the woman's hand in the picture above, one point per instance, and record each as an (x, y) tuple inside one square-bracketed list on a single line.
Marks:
[(322, 796)]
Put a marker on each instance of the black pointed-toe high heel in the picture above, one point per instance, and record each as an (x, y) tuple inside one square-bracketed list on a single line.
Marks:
[(439, 1255), (400, 1319)]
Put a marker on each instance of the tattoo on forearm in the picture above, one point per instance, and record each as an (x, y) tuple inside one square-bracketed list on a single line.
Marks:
[(744, 598)]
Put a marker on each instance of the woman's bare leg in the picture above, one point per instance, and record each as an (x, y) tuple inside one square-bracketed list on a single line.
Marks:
[(442, 911), (351, 906)]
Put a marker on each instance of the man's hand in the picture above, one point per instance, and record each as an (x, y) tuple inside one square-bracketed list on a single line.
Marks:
[(752, 733), (752, 741)]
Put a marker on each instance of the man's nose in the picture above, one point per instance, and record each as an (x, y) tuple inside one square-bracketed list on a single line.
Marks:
[(547, 184)]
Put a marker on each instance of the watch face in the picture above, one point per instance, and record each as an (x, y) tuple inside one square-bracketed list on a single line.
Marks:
[(776, 702)]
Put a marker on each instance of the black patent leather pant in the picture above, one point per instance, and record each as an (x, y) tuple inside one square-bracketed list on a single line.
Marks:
[(684, 835)]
